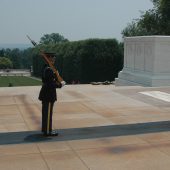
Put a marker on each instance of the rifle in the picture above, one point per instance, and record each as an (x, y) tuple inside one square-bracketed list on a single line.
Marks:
[(45, 56)]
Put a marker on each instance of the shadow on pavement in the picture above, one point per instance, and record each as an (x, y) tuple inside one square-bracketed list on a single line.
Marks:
[(85, 133)]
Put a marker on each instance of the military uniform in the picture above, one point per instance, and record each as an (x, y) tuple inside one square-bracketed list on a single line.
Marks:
[(48, 96)]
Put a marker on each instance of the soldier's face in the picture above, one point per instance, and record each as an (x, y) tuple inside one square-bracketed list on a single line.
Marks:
[(52, 59)]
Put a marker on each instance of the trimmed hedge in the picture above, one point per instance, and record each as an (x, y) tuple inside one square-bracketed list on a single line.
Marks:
[(84, 61)]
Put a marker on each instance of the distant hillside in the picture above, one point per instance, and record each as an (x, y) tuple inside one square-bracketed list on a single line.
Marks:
[(12, 46)]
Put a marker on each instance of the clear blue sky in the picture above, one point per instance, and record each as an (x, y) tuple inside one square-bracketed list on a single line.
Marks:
[(74, 19)]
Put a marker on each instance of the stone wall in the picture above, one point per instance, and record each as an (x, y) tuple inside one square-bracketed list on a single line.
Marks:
[(15, 72), (146, 61)]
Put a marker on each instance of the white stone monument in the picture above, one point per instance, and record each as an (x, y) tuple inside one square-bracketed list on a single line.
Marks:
[(146, 61)]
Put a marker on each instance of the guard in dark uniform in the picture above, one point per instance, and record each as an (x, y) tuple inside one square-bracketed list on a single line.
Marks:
[(48, 96)]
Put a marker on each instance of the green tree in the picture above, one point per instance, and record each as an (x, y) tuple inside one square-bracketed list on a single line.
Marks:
[(15, 57), (52, 38), (2, 51), (26, 58), (155, 21), (5, 63), (101, 60), (164, 11), (84, 61)]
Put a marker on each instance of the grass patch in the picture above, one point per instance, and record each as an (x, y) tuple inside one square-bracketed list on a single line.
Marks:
[(10, 81)]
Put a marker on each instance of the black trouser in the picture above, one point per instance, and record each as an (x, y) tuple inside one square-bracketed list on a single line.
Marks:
[(47, 112)]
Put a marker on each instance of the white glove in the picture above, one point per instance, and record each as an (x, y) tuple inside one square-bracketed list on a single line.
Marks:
[(63, 83)]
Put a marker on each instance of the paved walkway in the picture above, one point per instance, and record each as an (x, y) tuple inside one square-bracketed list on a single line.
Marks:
[(100, 127)]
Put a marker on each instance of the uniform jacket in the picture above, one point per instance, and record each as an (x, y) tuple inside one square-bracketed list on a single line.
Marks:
[(48, 89)]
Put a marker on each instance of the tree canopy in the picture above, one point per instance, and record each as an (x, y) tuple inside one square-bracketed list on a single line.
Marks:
[(77, 61), (52, 38), (84, 61), (155, 21), (5, 63)]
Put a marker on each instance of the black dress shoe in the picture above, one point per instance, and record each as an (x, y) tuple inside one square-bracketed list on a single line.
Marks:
[(53, 133)]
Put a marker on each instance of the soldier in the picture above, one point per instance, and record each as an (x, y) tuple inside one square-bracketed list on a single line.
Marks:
[(48, 96)]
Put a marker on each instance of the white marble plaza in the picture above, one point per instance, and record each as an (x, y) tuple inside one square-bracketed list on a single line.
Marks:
[(101, 127)]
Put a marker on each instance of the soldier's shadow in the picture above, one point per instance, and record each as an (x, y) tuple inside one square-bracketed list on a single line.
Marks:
[(36, 138), (85, 133)]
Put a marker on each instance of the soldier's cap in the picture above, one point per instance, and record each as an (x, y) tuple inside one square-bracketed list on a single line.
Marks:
[(48, 54)]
